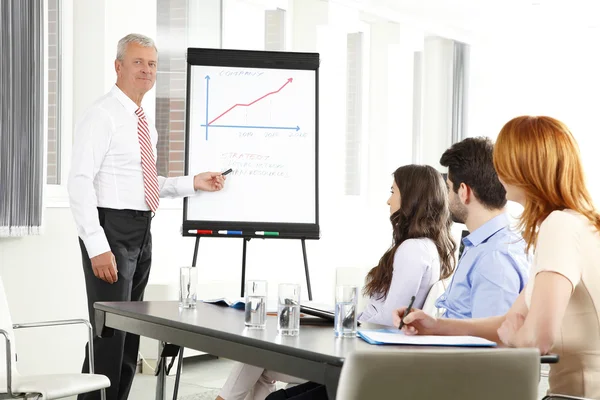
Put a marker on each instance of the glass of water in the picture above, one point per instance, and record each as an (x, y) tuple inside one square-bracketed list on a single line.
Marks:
[(288, 309), (188, 282), (256, 304), (346, 298)]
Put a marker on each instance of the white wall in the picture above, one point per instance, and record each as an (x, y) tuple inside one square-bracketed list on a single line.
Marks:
[(544, 72), (44, 281), (243, 25)]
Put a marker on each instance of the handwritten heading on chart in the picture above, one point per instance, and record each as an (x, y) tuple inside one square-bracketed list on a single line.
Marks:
[(226, 72)]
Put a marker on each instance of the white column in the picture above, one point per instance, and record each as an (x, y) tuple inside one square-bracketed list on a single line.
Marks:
[(311, 33), (307, 15), (332, 47), (437, 99), (204, 23), (400, 87), (88, 54), (383, 35)]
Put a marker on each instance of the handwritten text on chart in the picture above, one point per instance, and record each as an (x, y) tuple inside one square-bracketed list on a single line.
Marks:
[(225, 72), (245, 156), (250, 164)]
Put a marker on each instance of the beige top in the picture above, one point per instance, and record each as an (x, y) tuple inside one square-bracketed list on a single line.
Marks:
[(569, 245)]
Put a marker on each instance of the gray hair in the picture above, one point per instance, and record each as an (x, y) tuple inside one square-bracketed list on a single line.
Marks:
[(142, 40)]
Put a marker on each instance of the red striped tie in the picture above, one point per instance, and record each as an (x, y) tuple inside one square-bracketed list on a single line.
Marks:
[(151, 190)]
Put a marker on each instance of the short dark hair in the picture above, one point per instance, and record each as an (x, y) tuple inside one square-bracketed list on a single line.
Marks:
[(471, 162)]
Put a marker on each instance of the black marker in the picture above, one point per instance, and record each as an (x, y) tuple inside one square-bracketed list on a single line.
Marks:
[(226, 172), (408, 310)]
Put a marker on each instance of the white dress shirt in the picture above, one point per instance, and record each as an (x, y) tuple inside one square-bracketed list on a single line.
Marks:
[(106, 169), (416, 269)]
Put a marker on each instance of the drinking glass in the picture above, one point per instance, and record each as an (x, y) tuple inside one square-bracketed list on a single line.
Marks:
[(256, 304), (288, 309)]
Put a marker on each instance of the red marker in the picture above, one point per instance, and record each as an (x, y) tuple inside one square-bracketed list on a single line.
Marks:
[(200, 232)]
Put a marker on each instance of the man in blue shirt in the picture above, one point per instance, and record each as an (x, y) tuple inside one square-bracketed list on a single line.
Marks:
[(493, 267)]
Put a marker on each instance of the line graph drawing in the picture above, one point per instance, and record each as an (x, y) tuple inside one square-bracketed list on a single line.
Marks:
[(249, 104), (211, 123)]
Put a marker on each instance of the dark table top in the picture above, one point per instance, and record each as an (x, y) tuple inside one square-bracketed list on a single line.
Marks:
[(315, 342)]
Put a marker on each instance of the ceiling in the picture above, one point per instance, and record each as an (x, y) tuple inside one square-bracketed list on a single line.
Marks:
[(484, 17)]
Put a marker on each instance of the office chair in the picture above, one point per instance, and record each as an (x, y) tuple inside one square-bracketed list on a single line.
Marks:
[(449, 374), (52, 386)]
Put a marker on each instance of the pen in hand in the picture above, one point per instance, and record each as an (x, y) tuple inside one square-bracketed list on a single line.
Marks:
[(408, 311)]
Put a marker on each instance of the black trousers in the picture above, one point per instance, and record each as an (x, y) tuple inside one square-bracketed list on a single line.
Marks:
[(304, 391), (128, 234)]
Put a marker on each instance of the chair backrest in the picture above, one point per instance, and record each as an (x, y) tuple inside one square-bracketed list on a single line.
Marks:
[(7, 325), (435, 292), (449, 374), (357, 276)]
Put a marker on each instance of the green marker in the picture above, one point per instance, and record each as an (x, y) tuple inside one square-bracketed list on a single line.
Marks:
[(263, 233)]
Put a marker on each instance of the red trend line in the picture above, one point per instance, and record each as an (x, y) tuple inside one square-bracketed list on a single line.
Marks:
[(249, 104)]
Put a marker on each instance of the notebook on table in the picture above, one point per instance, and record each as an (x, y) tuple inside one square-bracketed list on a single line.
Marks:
[(397, 337)]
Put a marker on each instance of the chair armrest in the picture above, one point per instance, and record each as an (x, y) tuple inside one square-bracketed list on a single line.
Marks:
[(562, 397), (53, 323), (8, 362), (62, 323), (550, 358)]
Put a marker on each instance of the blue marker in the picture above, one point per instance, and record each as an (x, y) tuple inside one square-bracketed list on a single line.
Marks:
[(230, 232)]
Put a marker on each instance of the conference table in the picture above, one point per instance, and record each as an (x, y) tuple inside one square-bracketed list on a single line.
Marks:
[(315, 354)]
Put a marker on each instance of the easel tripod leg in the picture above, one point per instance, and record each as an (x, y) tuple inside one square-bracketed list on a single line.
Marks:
[(306, 269), (243, 266), (196, 251)]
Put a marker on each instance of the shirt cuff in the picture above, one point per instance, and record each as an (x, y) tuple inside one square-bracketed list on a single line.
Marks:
[(96, 244), (185, 186)]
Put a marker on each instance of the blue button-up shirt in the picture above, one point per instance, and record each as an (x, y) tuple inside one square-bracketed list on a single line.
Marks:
[(491, 272)]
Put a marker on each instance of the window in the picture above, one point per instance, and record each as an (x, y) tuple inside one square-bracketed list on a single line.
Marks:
[(54, 165), (172, 24)]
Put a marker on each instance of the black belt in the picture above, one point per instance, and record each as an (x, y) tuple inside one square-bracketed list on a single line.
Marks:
[(133, 213)]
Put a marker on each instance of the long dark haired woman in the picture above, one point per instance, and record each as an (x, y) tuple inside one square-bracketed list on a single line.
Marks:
[(422, 250)]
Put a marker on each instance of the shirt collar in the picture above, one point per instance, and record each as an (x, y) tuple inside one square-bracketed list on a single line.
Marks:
[(129, 105), (487, 230)]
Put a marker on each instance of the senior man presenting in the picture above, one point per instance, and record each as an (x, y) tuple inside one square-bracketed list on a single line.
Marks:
[(114, 190)]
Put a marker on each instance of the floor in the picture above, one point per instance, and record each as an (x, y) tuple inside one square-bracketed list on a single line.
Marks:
[(202, 378)]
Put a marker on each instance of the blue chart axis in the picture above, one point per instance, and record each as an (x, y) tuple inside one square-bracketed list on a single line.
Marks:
[(211, 123)]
